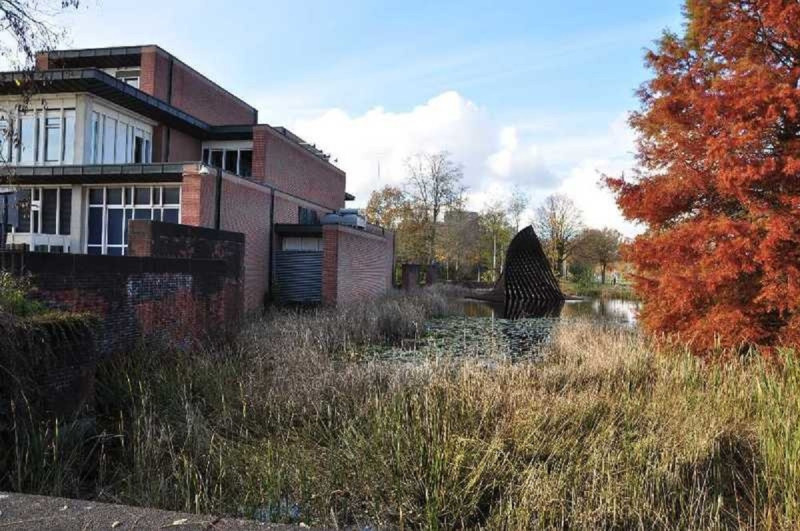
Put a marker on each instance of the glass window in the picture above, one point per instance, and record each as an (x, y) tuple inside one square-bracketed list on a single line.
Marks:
[(205, 155), (138, 149), (115, 218), (95, 233), (27, 139), (142, 213), (246, 162), (65, 211), (156, 196), (121, 147), (97, 141), (52, 139), (5, 141), (69, 137), (171, 215), (216, 158), (142, 196), (24, 210), (114, 196), (231, 158), (109, 132), (96, 196), (148, 155), (172, 195), (49, 210)]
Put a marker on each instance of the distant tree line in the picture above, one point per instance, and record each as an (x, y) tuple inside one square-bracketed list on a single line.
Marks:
[(432, 226)]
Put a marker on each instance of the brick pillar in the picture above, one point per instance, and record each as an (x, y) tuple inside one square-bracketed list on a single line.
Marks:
[(410, 277), (330, 264)]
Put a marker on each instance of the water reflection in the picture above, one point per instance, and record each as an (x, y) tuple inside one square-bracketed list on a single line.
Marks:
[(615, 311)]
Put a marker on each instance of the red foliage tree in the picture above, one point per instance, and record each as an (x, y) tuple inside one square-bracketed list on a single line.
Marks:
[(718, 178)]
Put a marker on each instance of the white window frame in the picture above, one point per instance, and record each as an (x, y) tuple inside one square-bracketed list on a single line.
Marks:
[(128, 203)]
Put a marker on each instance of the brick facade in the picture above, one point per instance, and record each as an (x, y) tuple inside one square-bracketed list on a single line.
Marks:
[(191, 91), (179, 300), (282, 163), (356, 264), (244, 208)]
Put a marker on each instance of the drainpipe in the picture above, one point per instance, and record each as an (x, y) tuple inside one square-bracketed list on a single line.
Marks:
[(271, 238), (218, 205)]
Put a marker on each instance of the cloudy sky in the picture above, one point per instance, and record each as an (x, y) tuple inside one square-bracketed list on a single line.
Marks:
[(532, 94)]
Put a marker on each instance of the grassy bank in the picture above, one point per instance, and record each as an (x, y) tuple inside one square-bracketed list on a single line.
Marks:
[(295, 425), (599, 291)]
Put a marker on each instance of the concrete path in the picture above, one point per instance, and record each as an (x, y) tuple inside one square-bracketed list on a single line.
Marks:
[(29, 512)]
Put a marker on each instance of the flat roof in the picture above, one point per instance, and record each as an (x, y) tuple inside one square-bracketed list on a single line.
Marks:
[(99, 83), (122, 57), (95, 173)]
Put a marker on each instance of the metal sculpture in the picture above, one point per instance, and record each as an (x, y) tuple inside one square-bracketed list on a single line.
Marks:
[(527, 277)]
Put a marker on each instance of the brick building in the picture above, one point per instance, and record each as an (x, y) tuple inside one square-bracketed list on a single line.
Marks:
[(94, 138)]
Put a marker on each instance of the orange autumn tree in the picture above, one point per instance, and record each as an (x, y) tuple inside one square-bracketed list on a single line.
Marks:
[(718, 178)]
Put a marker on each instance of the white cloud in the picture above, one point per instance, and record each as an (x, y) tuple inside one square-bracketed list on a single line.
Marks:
[(373, 147)]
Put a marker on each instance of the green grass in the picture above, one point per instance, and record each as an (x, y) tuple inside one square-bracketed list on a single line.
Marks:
[(296, 424)]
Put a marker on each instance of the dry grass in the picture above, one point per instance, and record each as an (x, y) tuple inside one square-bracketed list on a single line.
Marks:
[(290, 426)]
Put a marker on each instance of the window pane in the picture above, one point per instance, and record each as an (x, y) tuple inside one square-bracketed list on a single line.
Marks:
[(138, 148), (170, 215), (49, 210), (95, 235), (69, 137), (156, 196), (96, 196), (172, 196), (96, 138), (141, 213), (65, 214), (128, 215), (109, 130), (114, 251), (120, 150), (246, 163), (24, 199), (5, 141), (115, 219), (216, 158), (230, 160), (27, 139), (93, 250), (114, 196), (148, 156), (205, 155), (52, 140), (156, 214), (142, 196)]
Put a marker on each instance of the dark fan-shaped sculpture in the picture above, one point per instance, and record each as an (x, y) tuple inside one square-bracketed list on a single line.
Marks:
[(527, 278)]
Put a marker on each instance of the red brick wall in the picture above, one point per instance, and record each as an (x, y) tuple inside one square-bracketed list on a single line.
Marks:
[(178, 300), (356, 264), (245, 209), (289, 167), (191, 91), (198, 199), (183, 148)]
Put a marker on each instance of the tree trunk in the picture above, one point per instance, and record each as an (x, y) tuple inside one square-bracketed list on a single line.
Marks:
[(602, 274)]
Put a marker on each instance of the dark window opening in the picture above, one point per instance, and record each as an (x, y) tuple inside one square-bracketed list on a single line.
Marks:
[(246, 163), (49, 210), (230, 161), (138, 149), (306, 216)]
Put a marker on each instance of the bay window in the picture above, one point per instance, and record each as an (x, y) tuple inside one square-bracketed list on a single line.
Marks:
[(116, 142)]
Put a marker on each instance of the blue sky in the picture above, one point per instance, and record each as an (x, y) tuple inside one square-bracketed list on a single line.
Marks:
[(524, 94)]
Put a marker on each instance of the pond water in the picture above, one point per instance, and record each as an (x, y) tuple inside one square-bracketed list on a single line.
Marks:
[(488, 330)]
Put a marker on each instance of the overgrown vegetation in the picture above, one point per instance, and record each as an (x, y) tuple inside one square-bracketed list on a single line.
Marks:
[(296, 424)]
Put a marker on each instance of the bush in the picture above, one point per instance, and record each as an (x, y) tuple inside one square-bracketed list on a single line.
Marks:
[(15, 296)]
